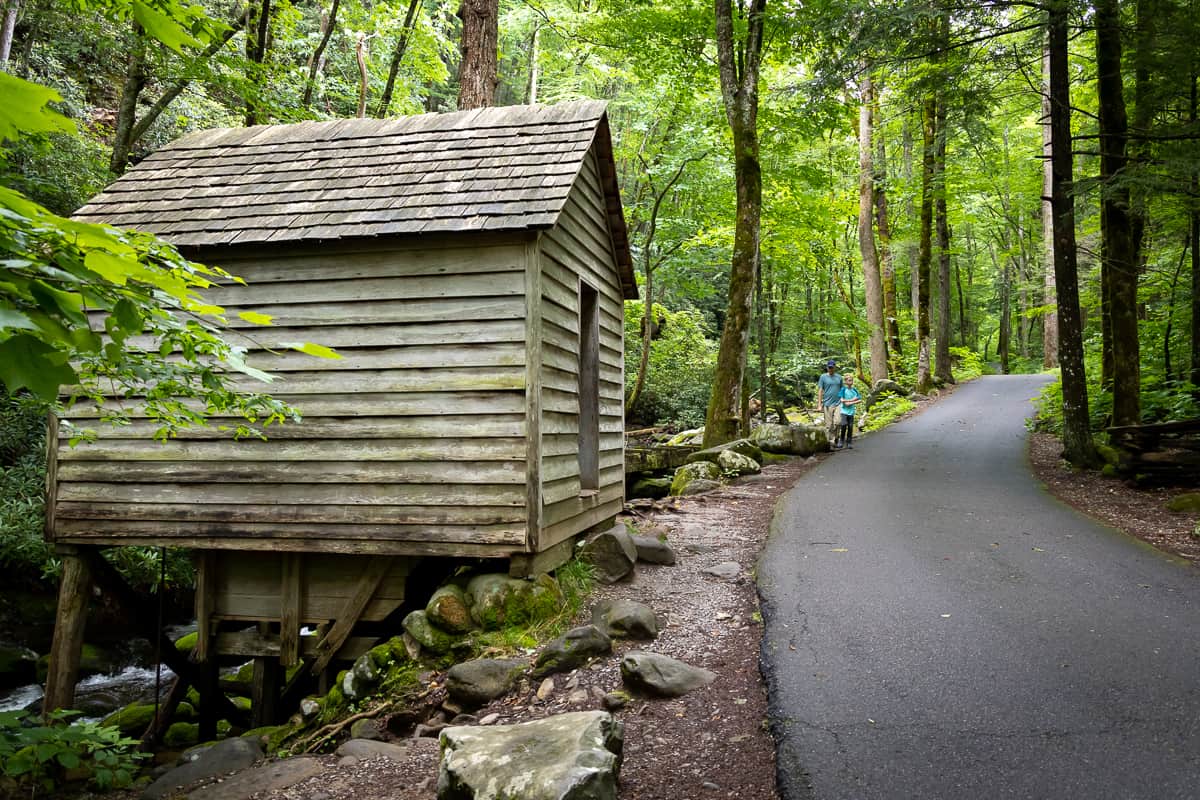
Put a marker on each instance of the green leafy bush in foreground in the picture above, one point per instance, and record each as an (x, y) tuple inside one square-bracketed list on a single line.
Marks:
[(886, 411), (37, 757)]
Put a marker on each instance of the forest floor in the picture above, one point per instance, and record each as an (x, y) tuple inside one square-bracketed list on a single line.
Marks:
[(713, 743)]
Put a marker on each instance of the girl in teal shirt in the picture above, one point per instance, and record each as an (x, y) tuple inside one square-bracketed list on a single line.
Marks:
[(850, 400)]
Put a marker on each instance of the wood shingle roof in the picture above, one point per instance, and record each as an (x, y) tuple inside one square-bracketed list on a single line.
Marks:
[(491, 169)]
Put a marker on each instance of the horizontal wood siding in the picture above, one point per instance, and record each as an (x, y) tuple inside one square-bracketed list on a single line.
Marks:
[(413, 442), (579, 248)]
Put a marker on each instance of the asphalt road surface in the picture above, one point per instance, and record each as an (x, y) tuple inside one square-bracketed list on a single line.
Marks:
[(938, 626)]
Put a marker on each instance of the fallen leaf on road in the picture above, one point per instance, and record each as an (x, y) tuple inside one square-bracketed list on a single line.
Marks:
[(840, 550)]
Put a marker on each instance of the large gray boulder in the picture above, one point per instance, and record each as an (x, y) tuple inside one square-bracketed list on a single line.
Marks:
[(625, 619), (653, 550), (743, 447), (361, 680), (794, 440), (571, 650), (223, 757), (611, 553), (662, 676), (473, 683), (573, 756)]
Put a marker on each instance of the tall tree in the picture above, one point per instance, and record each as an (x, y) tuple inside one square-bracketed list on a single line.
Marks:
[(739, 56), (385, 100), (872, 282), (317, 60), (941, 367), (11, 9), (1078, 447), (258, 37), (1117, 253), (925, 254), (1050, 318), (887, 274), (477, 76)]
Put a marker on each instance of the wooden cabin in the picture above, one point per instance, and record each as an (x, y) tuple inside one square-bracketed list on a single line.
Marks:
[(470, 269)]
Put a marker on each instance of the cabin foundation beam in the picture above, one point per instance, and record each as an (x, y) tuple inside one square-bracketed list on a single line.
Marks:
[(264, 698), (74, 591), (526, 565)]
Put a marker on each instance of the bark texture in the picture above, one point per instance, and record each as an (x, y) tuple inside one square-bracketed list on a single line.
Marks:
[(872, 282), (1118, 256), (925, 254), (477, 75), (1050, 319), (1078, 447), (738, 59)]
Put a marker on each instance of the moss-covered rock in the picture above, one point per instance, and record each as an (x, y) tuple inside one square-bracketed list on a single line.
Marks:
[(1186, 503), (186, 643), (182, 734), (428, 635), (450, 610), (700, 470), (654, 488), (743, 447), (390, 653), (733, 463), (694, 436), (132, 720), (240, 682)]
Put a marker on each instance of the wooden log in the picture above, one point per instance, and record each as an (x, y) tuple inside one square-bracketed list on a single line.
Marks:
[(74, 590), (162, 720)]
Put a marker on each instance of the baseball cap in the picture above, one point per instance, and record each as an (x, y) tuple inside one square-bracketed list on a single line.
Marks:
[(831, 363)]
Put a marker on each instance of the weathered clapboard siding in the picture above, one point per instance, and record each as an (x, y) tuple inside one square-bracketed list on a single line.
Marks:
[(579, 250), (439, 457)]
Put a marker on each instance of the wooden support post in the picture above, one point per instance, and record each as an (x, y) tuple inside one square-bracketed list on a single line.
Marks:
[(208, 685), (74, 591), (264, 699), (206, 592), (290, 600)]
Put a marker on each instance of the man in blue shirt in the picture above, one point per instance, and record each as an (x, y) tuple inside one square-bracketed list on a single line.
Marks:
[(829, 399)]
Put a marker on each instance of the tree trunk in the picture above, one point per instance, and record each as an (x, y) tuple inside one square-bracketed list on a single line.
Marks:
[(1194, 243), (738, 59), (872, 283), (363, 82), (135, 82), (385, 101), (941, 367), (1004, 340), (318, 56), (913, 249), (477, 76), (887, 276), (11, 9), (1078, 447), (929, 130), (1050, 320), (1117, 253), (531, 86)]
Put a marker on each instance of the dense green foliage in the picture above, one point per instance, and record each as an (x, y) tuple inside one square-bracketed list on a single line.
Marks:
[(37, 756)]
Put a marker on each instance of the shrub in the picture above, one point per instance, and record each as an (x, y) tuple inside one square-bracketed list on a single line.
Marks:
[(679, 375), (37, 756), (886, 411)]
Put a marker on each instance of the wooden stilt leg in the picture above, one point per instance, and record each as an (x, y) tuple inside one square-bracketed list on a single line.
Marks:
[(264, 700), (74, 591), (210, 695)]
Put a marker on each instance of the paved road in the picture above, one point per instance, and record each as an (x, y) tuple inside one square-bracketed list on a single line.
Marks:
[(937, 626)]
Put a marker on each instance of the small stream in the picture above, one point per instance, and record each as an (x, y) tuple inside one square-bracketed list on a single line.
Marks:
[(97, 696)]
